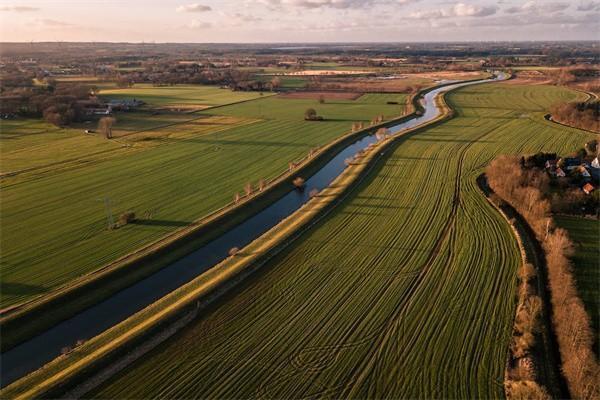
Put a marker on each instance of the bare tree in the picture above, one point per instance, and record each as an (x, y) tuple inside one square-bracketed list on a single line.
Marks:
[(105, 126)]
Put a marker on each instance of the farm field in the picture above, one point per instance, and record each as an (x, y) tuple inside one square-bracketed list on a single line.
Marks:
[(337, 110), (585, 235), (200, 96), (169, 169), (406, 290)]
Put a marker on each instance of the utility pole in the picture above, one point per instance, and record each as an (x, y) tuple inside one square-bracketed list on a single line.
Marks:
[(108, 211)]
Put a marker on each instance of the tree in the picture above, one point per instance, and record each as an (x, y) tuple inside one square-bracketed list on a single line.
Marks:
[(275, 83), (310, 114), (105, 126), (382, 133), (248, 189), (299, 182)]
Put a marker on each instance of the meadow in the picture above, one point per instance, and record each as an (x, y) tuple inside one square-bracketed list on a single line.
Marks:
[(200, 96), (292, 109), (169, 169), (405, 290), (585, 235)]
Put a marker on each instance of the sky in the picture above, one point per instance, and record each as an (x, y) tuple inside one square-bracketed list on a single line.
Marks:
[(289, 21)]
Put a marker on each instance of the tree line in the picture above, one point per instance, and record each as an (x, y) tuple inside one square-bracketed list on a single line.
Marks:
[(525, 191), (59, 104), (582, 115)]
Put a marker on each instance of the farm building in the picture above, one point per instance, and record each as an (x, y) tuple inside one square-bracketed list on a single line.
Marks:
[(569, 163), (551, 164)]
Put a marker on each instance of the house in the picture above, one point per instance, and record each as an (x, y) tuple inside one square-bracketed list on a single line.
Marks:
[(569, 163), (596, 163), (560, 173), (125, 104), (584, 173), (551, 164), (588, 188)]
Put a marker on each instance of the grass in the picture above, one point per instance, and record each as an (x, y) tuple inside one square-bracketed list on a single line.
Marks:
[(26, 144), (332, 111), (585, 234), (196, 95), (168, 169), (405, 291)]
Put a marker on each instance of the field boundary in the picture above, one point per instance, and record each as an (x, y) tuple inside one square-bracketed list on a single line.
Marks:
[(532, 253), (15, 320), (68, 370)]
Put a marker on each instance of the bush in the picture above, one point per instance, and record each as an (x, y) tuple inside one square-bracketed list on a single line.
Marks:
[(299, 182), (126, 218), (233, 251)]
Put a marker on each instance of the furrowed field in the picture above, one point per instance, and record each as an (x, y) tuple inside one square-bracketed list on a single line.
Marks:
[(406, 290), (170, 169)]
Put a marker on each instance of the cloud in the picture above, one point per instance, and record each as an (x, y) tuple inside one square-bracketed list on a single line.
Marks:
[(467, 10), (586, 21), (339, 4), (52, 22), (197, 24), (536, 7), (18, 8), (246, 17), (589, 6), (193, 8), (458, 10)]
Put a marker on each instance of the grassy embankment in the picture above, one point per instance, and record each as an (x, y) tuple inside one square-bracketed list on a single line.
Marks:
[(406, 290)]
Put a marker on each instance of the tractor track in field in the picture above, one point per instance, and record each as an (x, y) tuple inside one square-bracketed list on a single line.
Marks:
[(314, 365), (404, 303)]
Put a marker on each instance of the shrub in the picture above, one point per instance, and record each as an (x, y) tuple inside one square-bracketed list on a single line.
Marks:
[(525, 390), (248, 189), (299, 182), (527, 272), (126, 218), (233, 251), (310, 114)]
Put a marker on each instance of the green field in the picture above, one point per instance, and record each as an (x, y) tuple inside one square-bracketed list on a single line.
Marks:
[(585, 235), (405, 291), (169, 169), (346, 111), (179, 95)]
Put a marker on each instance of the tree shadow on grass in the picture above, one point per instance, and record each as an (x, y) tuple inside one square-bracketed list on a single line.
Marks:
[(13, 288)]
